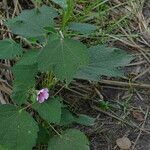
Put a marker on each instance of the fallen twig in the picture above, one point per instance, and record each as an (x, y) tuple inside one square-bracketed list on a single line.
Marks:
[(121, 120), (125, 84)]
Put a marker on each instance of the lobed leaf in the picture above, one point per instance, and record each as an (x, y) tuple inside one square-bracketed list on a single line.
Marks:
[(18, 129), (64, 57), (43, 136), (84, 120), (29, 58), (24, 80), (68, 118), (31, 23), (9, 49), (50, 110), (104, 61), (71, 139), (83, 28)]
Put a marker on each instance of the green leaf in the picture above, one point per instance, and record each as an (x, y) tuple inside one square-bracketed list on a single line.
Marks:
[(18, 129), (103, 105), (33, 97), (19, 95), (66, 117), (50, 30), (104, 61), (24, 81), (49, 110), (71, 139), (43, 136), (24, 76), (29, 58), (61, 3), (32, 40), (31, 23), (85, 120), (83, 28), (67, 14), (9, 49), (64, 57), (3, 148)]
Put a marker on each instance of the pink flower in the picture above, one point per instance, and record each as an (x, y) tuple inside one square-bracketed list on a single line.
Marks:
[(42, 95)]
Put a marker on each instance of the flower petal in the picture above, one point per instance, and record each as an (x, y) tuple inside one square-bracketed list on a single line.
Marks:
[(42, 95)]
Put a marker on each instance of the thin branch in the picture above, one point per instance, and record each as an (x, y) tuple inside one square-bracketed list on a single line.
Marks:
[(125, 84), (121, 120)]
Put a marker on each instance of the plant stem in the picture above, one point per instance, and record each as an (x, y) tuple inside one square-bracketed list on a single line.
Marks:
[(55, 130), (26, 107)]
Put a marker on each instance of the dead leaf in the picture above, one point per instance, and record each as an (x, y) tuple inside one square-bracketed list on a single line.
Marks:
[(137, 115), (123, 143)]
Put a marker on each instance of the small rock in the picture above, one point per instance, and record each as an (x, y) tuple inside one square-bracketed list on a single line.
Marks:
[(123, 143)]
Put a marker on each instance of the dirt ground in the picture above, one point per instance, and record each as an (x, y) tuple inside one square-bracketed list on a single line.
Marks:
[(128, 114)]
